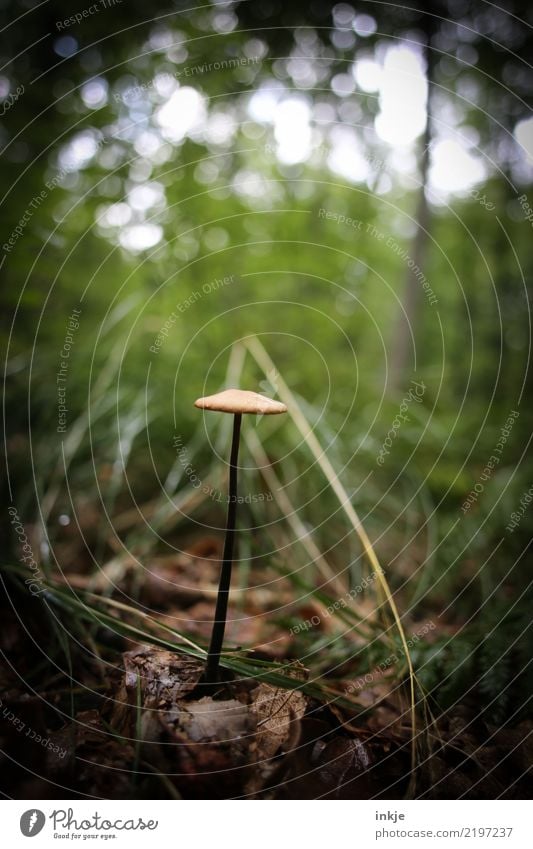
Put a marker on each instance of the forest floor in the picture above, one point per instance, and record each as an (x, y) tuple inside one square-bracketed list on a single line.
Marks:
[(118, 713)]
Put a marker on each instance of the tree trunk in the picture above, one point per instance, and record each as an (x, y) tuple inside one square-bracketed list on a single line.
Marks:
[(406, 324)]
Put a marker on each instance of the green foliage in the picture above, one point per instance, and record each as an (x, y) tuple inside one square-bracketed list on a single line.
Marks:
[(488, 661)]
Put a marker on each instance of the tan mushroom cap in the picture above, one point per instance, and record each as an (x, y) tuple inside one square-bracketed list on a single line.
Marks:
[(241, 401)]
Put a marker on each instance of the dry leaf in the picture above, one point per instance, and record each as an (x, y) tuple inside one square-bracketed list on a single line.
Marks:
[(225, 744)]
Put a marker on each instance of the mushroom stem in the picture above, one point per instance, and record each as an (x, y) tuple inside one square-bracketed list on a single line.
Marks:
[(219, 625)]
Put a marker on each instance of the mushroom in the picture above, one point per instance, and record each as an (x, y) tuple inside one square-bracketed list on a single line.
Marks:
[(236, 401)]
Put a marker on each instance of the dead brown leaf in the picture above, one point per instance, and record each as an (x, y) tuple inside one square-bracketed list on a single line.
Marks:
[(220, 744)]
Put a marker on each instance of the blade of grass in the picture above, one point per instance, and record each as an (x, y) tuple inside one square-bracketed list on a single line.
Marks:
[(103, 403), (262, 358), (285, 505), (85, 607), (269, 671)]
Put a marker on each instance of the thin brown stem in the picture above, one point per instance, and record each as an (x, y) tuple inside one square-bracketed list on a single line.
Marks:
[(219, 624)]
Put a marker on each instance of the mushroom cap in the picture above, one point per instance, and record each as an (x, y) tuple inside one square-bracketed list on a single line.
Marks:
[(241, 401)]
